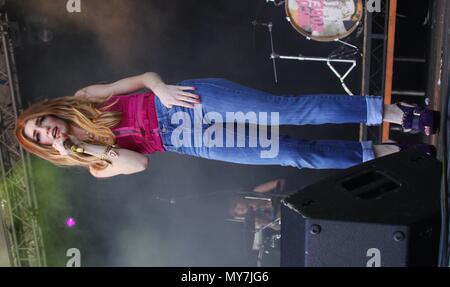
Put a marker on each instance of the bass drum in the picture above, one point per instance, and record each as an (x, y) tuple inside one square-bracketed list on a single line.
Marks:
[(324, 20)]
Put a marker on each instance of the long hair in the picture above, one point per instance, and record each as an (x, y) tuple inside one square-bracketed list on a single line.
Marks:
[(81, 111)]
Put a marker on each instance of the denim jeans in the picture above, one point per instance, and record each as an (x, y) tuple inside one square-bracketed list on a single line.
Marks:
[(182, 134)]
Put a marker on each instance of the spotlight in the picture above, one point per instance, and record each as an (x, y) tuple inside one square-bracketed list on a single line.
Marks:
[(70, 222)]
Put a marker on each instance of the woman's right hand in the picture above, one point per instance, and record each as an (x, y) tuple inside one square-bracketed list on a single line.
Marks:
[(171, 95)]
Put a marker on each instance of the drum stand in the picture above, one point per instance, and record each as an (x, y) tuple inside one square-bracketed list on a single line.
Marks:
[(259, 245), (334, 57)]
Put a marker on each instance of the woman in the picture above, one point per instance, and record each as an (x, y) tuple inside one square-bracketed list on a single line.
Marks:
[(81, 130)]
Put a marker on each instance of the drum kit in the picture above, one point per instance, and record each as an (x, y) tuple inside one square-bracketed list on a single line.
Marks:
[(321, 21), (265, 238)]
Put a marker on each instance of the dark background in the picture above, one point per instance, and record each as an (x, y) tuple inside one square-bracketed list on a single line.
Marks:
[(129, 220)]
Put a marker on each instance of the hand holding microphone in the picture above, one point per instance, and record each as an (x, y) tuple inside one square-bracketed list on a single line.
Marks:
[(64, 144)]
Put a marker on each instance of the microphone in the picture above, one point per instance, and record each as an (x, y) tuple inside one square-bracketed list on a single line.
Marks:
[(67, 143)]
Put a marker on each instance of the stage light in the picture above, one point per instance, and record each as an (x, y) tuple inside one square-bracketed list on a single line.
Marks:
[(70, 222)]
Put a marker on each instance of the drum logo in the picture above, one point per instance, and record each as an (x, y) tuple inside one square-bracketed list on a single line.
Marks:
[(310, 14), (323, 19)]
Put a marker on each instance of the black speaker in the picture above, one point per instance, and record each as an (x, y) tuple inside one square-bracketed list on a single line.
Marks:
[(385, 212)]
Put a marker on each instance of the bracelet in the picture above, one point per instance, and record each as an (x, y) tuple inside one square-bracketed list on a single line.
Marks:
[(105, 153)]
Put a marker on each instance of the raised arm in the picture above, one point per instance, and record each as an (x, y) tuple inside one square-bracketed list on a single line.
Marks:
[(168, 94), (128, 85), (121, 161), (124, 162)]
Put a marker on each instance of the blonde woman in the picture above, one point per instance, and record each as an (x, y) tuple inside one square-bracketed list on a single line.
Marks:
[(110, 128)]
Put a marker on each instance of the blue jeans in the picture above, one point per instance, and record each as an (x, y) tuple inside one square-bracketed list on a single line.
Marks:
[(205, 131)]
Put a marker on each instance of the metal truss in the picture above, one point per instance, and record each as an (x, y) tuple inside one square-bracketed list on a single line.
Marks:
[(374, 59), (18, 212)]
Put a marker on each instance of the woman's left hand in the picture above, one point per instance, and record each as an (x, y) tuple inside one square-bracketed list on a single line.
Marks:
[(170, 95), (63, 142)]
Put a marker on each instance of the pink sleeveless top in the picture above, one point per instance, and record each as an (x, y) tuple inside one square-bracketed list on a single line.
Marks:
[(138, 129)]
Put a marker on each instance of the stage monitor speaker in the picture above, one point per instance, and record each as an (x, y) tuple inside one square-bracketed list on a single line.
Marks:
[(385, 212)]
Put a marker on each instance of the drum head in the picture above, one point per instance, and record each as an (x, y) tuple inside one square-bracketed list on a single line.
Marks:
[(324, 20)]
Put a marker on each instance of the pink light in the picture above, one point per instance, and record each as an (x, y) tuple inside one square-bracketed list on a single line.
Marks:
[(70, 222)]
